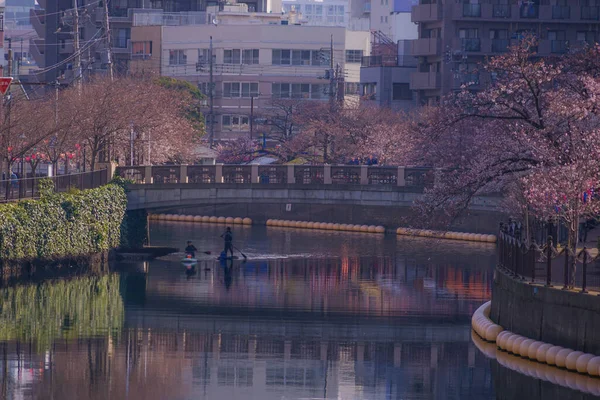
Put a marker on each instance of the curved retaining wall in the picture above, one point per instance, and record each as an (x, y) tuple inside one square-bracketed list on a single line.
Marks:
[(564, 318)]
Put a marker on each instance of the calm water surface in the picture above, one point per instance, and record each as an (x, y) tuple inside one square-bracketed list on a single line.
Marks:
[(309, 315)]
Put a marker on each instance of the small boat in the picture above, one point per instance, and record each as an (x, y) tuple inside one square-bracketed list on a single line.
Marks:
[(188, 260)]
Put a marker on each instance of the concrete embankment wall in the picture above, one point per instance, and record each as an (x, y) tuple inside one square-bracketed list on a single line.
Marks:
[(563, 318)]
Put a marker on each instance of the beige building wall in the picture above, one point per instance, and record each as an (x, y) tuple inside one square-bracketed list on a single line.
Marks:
[(184, 56), (146, 48), (357, 42)]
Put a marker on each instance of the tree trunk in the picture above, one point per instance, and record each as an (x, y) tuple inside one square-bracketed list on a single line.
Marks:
[(572, 243)]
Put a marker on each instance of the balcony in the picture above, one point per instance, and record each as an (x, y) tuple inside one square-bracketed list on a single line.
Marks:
[(379, 61), (471, 10), (590, 13), (471, 44), (425, 81), (559, 46), (36, 48), (561, 12), (425, 47), (425, 13), (38, 21), (529, 11), (500, 45), (501, 11)]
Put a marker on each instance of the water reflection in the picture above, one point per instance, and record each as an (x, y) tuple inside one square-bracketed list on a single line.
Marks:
[(347, 316)]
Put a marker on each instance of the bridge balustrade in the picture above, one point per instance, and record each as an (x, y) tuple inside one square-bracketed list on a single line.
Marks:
[(202, 173), (136, 174), (415, 177), (418, 177), (383, 176), (345, 175), (308, 174), (237, 174), (166, 174), (272, 174)]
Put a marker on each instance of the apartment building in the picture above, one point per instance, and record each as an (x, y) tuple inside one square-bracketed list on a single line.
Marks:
[(385, 72), (254, 65), (455, 37)]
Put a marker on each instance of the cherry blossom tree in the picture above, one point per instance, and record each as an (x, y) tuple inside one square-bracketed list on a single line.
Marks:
[(537, 123)]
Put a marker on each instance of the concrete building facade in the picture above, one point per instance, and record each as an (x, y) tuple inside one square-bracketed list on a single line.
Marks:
[(454, 38), (255, 65)]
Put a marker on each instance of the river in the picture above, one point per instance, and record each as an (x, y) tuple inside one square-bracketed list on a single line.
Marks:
[(309, 315)]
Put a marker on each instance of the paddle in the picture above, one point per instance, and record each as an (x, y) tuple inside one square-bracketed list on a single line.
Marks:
[(243, 255)]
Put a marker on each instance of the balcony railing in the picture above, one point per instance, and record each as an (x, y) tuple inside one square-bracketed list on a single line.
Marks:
[(590, 13), (529, 11), (472, 44), (501, 11), (379, 61), (559, 46), (561, 12), (472, 10), (500, 45)]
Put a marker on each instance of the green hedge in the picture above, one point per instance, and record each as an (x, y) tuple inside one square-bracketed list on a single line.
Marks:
[(81, 307), (62, 225)]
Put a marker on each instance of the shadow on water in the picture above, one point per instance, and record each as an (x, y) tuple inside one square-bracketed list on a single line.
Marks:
[(309, 315)]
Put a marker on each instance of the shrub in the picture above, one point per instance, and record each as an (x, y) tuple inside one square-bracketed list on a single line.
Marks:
[(62, 224)]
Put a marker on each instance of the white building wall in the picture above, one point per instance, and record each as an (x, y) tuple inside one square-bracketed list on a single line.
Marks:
[(402, 27)]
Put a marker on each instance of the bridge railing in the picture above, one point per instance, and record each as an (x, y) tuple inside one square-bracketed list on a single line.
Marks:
[(415, 177)]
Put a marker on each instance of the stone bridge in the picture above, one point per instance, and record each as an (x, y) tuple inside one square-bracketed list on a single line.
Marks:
[(327, 193)]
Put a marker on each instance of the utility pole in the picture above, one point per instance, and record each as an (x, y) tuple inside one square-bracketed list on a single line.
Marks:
[(251, 116), (331, 77), (76, 49), (10, 58), (108, 42), (211, 126)]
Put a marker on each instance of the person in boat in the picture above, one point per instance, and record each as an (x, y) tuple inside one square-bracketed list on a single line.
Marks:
[(190, 250), (228, 239)]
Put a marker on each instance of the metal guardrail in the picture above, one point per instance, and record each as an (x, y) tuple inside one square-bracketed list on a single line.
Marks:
[(28, 188), (416, 177), (548, 265)]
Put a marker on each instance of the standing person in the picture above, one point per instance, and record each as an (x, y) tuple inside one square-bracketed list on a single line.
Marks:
[(228, 239)]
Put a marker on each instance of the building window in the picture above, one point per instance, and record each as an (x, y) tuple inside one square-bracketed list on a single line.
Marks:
[(120, 37), (231, 89), (232, 56), (300, 57), (352, 88), (401, 91), (369, 90), (203, 56), (381, 19), (235, 123), (249, 89), (297, 91), (250, 56), (177, 57), (386, 20), (141, 49), (354, 56)]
